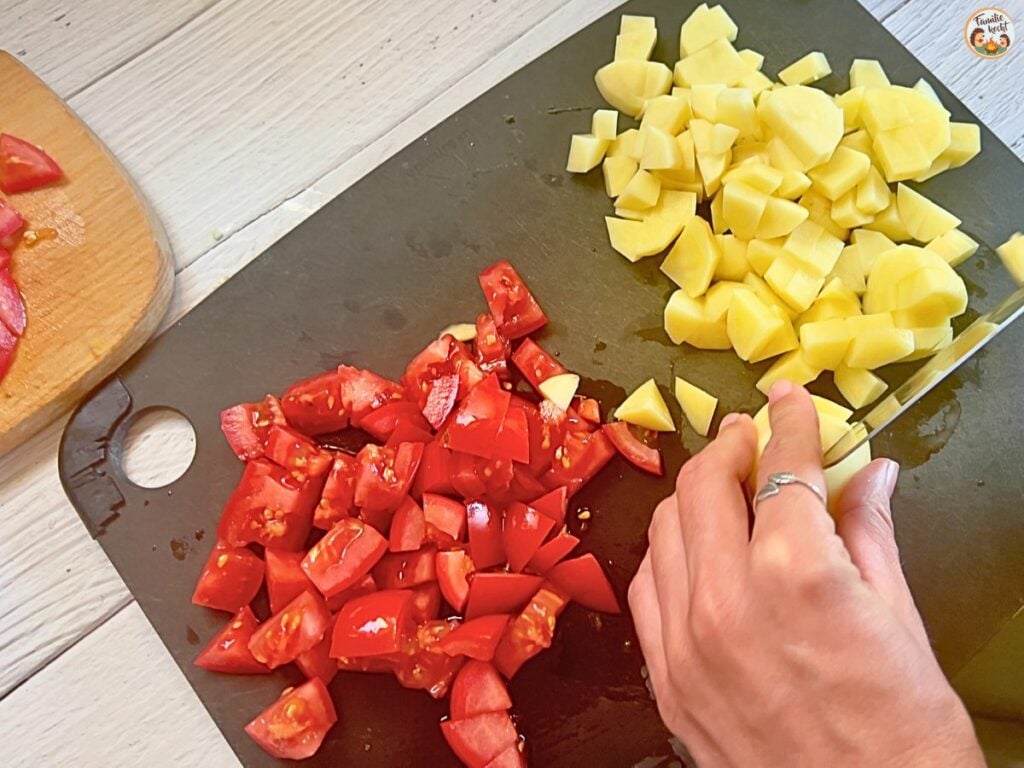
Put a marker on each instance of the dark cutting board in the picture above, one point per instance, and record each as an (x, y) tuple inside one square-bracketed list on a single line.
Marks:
[(374, 275)]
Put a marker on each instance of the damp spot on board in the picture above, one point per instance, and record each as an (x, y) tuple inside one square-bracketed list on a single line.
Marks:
[(393, 318), (599, 346), (180, 548), (928, 434), (655, 333), (429, 248), (191, 636)]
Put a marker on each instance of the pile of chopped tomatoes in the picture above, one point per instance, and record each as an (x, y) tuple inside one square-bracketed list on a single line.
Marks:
[(438, 553), (23, 167)]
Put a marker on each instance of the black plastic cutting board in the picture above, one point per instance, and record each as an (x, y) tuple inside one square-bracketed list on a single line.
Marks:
[(374, 275)]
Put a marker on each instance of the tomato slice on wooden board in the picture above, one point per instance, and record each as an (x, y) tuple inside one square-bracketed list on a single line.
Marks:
[(445, 514), (524, 531), (583, 579), (408, 527), (515, 310), (317, 662), (382, 422), (363, 392), (492, 348), (297, 628), (314, 406), (11, 222), (344, 556), (426, 602), (5, 258), (296, 453), (536, 365), (453, 569), (24, 166), (582, 456), (500, 592), (338, 499), (553, 504), (476, 638), (246, 425), (373, 624), (552, 552), (484, 524), (385, 475), (269, 507), (12, 305), (294, 726), (531, 631), (637, 452), (513, 440), (479, 739), (8, 343), (403, 570), (478, 419), (228, 651), (478, 688), (441, 398), (230, 579)]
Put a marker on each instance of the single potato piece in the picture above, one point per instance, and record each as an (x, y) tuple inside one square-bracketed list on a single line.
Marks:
[(843, 171), (762, 253), (794, 184), (704, 101), (780, 217), (874, 321), (764, 292), (850, 270), (929, 341), (618, 171), (627, 84), (824, 343), (661, 150), (751, 324), (792, 366), (954, 247), (586, 152), (819, 210), (850, 102), (929, 297), (923, 219), (806, 119), (646, 408), (964, 143), (846, 214), (732, 263), (859, 386), (718, 299), (641, 192), (757, 174), (703, 27), (638, 239), (698, 406), (873, 195), (889, 223), (875, 348), (1012, 254), (742, 208), (867, 73), (605, 124), (637, 37), (717, 62), (807, 69), (693, 259), (711, 168), (560, 389), (688, 321), (669, 113), (735, 107), (784, 340), (870, 244), (754, 59)]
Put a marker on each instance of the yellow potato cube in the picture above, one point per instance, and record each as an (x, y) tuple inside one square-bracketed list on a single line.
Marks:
[(780, 218), (754, 59), (806, 119), (631, 25), (1012, 255), (900, 153), (750, 152), (703, 27), (718, 225), (629, 213), (807, 69), (868, 73), (789, 279), (692, 261), (761, 253), (929, 341), (765, 293), (560, 389), (669, 113), (735, 107), (923, 87), (964, 143), (885, 109), (661, 150), (872, 194), (819, 211), (874, 348), (923, 219), (733, 263), (585, 153), (685, 142), (624, 145), (859, 140), (835, 290), (784, 340), (605, 124), (859, 386), (815, 249), (742, 208), (698, 406), (641, 192), (889, 223), (824, 343), (756, 174), (929, 297), (782, 157), (718, 62), (850, 270), (751, 324), (638, 239), (617, 174), (792, 366), (954, 247), (845, 212), (711, 168), (869, 244), (850, 102), (876, 321), (718, 299), (638, 45), (627, 84), (755, 81), (794, 184), (646, 408), (890, 268), (676, 206), (684, 317), (843, 171), (827, 309), (704, 101), (712, 138)]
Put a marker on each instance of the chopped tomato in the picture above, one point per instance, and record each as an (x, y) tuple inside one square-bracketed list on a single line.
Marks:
[(426, 602), (246, 426), (510, 758), (230, 579), (445, 515), (492, 349), (553, 504), (344, 556), (513, 307), (499, 592), (578, 459), (317, 662), (285, 578), (408, 527), (423, 665), (11, 222), (536, 365), (363, 392), (479, 739), (296, 453), (552, 552), (294, 726), (402, 570), (583, 579), (8, 343), (385, 475), (12, 306), (228, 651), (466, 475), (5, 258), (382, 422), (434, 475), (441, 398), (524, 485), (638, 453), (497, 478), (442, 357), (315, 406), (478, 419), (588, 409), (547, 433), (338, 499), (484, 525), (453, 569), (269, 507), (409, 430), (513, 440), (24, 166), (524, 531), (531, 631), (478, 688), (373, 624), (295, 629), (476, 638)]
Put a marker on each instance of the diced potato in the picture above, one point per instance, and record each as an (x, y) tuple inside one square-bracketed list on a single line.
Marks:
[(756, 81), (560, 389), (815, 249), (766, 294), (717, 62), (753, 59), (718, 299), (794, 184), (718, 224), (735, 107), (751, 324), (900, 153), (641, 192), (784, 340), (761, 253), (605, 124), (627, 84), (698, 406), (687, 321), (954, 247), (964, 143), (638, 239), (871, 322), (750, 152), (712, 138), (646, 408), (806, 119), (757, 175), (693, 259), (676, 206), (742, 208), (819, 210), (780, 218), (824, 343), (850, 102), (928, 341), (732, 263), (1012, 254), (661, 150), (923, 219), (869, 244), (685, 142), (827, 309), (669, 113), (624, 145), (460, 331), (629, 213), (843, 171), (868, 73), (859, 140), (929, 297), (846, 214), (891, 267), (704, 101), (792, 366), (835, 290), (617, 174), (859, 386), (585, 152), (782, 157), (873, 195), (923, 87), (874, 348), (790, 280), (850, 270), (711, 168), (637, 37), (889, 223), (631, 25), (703, 27), (885, 109), (807, 69)]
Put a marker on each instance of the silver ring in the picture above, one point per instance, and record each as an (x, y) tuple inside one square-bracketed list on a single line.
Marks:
[(776, 482)]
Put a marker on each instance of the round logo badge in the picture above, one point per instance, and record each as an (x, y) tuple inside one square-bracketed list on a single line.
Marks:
[(989, 33)]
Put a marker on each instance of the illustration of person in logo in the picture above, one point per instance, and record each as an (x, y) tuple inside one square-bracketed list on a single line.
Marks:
[(978, 41), (1004, 44)]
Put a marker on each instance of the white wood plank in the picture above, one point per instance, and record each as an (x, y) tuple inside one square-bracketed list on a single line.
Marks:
[(72, 43), (120, 703)]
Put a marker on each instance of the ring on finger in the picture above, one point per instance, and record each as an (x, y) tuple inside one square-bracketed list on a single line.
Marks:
[(778, 480)]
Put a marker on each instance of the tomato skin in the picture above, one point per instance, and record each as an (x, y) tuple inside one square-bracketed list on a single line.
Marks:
[(584, 580), (338, 499), (426, 602), (553, 504), (446, 515), (515, 310), (513, 440), (531, 631), (453, 569), (385, 475), (285, 578), (294, 726), (423, 665), (478, 688), (524, 531), (314, 406), (382, 422), (510, 758), (478, 419), (297, 628), (245, 426), (269, 507), (441, 398), (230, 579), (316, 662), (409, 431), (634, 450), (373, 624), (547, 433), (408, 527), (552, 553), (492, 349), (476, 638), (536, 365), (343, 556), (12, 305), (11, 222), (434, 475), (499, 592), (402, 570), (24, 166), (296, 453), (479, 739), (363, 392), (484, 524), (583, 455), (228, 651)]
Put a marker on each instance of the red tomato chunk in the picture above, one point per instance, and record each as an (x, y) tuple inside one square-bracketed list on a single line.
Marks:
[(230, 579), (343, 556), (297, 628), (294, 726), (228, 651)]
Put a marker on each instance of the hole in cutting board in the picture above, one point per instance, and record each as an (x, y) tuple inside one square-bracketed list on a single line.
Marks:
[(158, 447)]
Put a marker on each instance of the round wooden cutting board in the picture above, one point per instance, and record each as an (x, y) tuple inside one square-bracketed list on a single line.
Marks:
[(96, 291)]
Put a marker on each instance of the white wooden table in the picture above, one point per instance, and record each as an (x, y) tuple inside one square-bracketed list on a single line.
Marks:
[(240, 118)]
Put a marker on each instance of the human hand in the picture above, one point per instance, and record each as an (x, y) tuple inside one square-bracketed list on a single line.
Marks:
[(797, 643)]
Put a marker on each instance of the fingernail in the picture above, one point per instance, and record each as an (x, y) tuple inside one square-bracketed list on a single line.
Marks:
[(779, 390), (729, 418), (892, 474)]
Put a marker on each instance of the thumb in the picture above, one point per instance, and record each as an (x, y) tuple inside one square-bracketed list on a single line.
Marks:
[(864, 523)]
